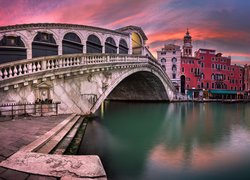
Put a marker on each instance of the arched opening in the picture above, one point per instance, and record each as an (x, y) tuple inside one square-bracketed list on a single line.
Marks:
[(72, 44), (44, 44), (163, 60), (174, 68), (174, 60), (136, 44), (123, 47), (12, 48), (183, 84), (143, 86), (110, 46), (94, 44)]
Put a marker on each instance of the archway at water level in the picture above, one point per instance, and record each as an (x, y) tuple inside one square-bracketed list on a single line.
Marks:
[(140, 86)]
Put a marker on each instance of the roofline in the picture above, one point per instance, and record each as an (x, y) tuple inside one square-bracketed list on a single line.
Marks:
[(56, 25), (206, 49), (134, 28)]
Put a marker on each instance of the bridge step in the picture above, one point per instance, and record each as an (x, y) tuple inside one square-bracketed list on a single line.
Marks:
[(53, 142), (65, 142)]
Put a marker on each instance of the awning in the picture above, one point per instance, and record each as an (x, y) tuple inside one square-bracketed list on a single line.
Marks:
[(223, 92)]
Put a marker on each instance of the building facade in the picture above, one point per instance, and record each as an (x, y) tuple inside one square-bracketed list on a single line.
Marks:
[(170, 60), (247, 80), (209, 74)]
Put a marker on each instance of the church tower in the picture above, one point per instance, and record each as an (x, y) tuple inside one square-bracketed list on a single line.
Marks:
[(187, 46)]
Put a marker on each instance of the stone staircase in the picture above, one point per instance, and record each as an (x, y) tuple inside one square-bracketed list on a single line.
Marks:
[(44, 156)]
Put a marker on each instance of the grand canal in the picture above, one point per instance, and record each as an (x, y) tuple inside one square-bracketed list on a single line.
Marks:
[(144, 141)]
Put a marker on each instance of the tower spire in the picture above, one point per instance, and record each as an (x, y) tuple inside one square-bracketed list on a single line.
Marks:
[(187, 46)]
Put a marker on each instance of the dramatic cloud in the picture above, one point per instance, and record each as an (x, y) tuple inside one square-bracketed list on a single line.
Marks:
[(218, 24)]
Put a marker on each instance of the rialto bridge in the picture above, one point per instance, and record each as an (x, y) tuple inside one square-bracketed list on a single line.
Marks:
[(80, 66)]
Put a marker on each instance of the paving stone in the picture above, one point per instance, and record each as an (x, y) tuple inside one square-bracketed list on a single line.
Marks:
[(13, 175)]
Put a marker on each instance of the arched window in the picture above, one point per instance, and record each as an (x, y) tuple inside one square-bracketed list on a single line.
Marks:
[(123, 47), (72, 44), (202, 76), (174, 60), (174, 68), (94, 44), (44, 44), (12, 48), (110, 46), (212, 76), (163, 60)]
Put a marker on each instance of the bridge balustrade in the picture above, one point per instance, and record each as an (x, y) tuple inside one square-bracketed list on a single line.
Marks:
[(23, 67)]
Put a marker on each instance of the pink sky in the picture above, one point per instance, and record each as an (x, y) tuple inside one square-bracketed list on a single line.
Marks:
[(218, 24)]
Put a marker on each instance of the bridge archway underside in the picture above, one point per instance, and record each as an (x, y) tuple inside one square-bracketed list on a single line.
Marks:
[(82, 82), (140, 86)]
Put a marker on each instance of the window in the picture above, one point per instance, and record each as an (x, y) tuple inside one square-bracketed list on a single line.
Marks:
[(225, 67), (202, 76), (213, 85), (202, 85), (174, 76), (174, 68), (212, 77), (182, 69), (202, 65), (163, 60), (192, 70), (174, 60), (207, 85), (213, 66), (174, 52), (163, 53)]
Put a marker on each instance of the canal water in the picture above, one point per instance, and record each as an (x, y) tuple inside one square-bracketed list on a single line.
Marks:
[(158, 141)]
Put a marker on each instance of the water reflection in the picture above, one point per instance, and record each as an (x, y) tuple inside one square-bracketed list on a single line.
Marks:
[(159, 141)]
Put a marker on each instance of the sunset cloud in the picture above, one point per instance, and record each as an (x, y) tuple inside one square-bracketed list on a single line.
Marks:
[(218, 24)]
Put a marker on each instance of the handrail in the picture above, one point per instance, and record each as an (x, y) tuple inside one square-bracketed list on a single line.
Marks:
[(28, 108)]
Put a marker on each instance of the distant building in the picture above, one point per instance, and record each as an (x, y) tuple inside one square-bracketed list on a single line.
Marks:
[(247, 79), (206, 74), (170, 59)]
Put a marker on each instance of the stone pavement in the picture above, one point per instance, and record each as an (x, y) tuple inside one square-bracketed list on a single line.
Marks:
[(19, 132)]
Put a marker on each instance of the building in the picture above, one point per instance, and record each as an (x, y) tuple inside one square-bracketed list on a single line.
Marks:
[(247, 80), (209, 74), (170, 60)]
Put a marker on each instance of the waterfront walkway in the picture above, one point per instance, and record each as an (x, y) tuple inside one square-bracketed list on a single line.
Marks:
[(19, 132)]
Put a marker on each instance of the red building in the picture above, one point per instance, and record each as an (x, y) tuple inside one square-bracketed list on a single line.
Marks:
[(209, 74)]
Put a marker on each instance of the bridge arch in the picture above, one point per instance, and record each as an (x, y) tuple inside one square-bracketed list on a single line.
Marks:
[(137, 43), (94, 44), (44, 44), (164, 94), (72, 43), (12, 47), (110, 46), (123, 46)]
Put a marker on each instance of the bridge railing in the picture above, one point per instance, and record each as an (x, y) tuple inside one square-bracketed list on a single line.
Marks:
[(38, 109), (23, 67)]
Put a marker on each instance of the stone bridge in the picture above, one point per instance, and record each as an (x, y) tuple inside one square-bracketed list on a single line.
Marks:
[(81, 82)]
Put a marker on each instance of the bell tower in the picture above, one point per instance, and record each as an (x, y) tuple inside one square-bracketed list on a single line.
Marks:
[(187, 46)]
